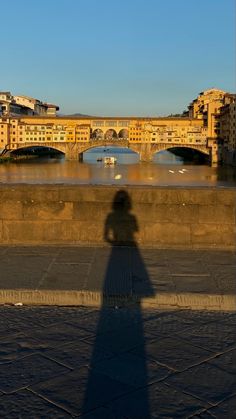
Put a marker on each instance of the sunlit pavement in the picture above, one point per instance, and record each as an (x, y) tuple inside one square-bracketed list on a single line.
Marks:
[(116, 275), (117, 360)]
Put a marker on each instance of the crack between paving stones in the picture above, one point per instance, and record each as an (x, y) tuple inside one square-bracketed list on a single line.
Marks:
[(47, 271), (49, 401)]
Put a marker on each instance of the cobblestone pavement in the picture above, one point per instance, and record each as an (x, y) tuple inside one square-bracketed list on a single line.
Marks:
[(116, 363)]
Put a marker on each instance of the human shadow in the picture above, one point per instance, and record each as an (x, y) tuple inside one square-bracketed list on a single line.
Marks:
[(120, 329)]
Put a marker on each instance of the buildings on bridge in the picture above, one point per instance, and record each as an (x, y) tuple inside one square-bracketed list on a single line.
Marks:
[(75, 135), (209, 127)]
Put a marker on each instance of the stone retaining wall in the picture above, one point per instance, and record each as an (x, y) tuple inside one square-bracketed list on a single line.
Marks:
[(164, 217)]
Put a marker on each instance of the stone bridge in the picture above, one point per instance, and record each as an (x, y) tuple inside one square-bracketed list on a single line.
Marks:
[(75, 150)]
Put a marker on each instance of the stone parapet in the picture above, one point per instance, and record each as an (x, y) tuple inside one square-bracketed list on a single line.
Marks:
[(165, 217)]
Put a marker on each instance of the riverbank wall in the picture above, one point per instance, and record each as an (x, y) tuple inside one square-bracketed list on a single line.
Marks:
[(163, 217)]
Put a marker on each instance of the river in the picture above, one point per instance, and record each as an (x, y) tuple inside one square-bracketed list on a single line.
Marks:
[(166, 169)]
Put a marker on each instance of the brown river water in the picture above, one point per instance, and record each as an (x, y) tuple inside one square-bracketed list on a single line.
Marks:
[(165, 171)]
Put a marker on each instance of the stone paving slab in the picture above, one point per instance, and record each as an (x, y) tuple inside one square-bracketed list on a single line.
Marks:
[(54, 275), (26, 404), (116, 363)]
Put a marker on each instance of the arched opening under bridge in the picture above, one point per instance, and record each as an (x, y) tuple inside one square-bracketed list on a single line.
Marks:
[(123, 155), (181, 155), (37, 152)]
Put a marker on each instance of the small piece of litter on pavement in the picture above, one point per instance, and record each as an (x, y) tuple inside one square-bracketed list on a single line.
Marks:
[(18, 304)]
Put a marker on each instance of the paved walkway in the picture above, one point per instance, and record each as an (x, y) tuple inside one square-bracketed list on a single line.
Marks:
[(117, 276), (123, 363), (120, 356)]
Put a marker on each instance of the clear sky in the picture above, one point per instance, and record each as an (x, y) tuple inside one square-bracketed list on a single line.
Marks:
[(110, 57)]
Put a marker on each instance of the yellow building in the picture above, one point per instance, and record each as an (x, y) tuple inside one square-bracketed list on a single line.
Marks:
[(4, 134), (207, 106), (226, 131), (168, 130), (11, 105)]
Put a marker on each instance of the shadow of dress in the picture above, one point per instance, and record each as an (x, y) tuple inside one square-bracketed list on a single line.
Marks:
[(126, 279)]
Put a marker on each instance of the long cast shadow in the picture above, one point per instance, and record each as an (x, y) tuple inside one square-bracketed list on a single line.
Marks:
[(126, 277)]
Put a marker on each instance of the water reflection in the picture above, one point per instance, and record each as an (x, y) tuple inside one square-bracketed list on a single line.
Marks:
[(58, 171)]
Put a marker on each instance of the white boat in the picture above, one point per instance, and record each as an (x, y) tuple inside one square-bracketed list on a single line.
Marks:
[(109, 161)]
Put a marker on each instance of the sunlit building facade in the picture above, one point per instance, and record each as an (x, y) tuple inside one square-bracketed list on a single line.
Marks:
[(209, 127), (16, 105)]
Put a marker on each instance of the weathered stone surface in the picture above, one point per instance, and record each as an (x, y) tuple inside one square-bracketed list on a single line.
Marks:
[(226, 198), (47, 211), (49, 370), (165, 216), (57, 335), (23, 271), (157, 401), (173, 353), (90, 391), (32, 231), (89, 211), (77, 354), (226, 361), (220, 214), (214, 336), (213, 235), (132, 370), (206, 382), (223, 410), (118, 275), (165, 234), (25, 404), (11, 210), (71, 276), (25, 371)]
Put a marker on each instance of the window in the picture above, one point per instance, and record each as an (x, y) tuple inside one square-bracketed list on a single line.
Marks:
[(123, 123), (111, 123), (98, 123)]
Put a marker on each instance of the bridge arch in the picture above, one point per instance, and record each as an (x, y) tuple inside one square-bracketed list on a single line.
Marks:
[(97, 134), (186, 153), (123, 133), (37, 150), (110, 133), (199, 149)]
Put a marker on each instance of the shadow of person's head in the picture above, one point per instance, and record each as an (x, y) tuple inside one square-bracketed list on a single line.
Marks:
[(121, 225), (122, 201)]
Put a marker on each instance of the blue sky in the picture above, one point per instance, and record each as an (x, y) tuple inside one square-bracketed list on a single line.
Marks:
[(109, 57)]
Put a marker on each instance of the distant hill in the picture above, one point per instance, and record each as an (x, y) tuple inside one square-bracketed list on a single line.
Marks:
[(75, 114)]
